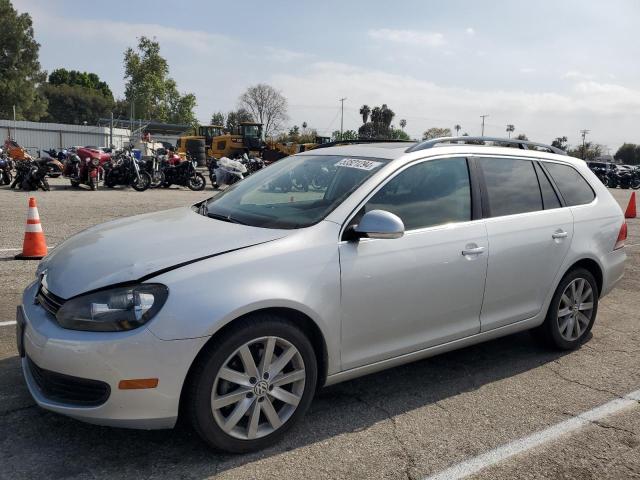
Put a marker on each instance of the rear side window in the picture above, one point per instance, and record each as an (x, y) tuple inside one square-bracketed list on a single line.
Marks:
[(512, 186), (573, 187), (549, 198)]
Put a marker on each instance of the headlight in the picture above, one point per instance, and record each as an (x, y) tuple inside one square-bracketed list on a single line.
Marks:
[(95, 162), (117, 309)]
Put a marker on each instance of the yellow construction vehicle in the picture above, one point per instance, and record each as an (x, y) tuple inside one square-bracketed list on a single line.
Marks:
[(212, 141), (277, 150)]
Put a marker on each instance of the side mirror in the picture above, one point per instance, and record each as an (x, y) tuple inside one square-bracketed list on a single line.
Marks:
[(379, 224)]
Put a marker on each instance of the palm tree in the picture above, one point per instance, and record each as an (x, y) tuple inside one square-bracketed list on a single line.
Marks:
[(386, 115), (457, 128), (403, 123), (365, 111), (510, 129)]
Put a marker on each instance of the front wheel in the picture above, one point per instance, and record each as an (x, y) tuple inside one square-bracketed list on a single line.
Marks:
[(252, 384), (140, 184), (635, 184), (572, 311), (196, 182)]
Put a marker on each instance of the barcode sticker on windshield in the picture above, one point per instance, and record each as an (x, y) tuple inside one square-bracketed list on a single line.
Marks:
[(357, 163)]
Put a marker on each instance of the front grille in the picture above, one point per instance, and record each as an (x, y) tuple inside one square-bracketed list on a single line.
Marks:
[(69, 390), (50, 302)]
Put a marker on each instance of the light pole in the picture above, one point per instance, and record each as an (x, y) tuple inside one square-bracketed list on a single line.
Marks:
[(584, 136), (342, 115), (483, 117)]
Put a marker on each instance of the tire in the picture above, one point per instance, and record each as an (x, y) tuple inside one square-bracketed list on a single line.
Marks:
[(45, 185), (157, 179), (8, 177), (196, 182), (251, 335), (75, 184), (197, 150), (551, 331), (141, 184), (214, 182)]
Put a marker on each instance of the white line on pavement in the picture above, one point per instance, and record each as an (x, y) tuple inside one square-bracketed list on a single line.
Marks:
[(19, 249), (6, 324), (492, 457)]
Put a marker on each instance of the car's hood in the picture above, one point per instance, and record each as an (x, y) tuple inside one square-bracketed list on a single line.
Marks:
[(132, 248)]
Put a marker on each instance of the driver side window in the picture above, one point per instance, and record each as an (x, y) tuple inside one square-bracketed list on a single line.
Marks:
[(434, 192)]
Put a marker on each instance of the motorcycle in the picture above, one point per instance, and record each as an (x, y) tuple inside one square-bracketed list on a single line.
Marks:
[(251, 165), (153, 166), (225, 172), (31, 175), (184, 174), (124, 170), (55, 167), (86, 172), (6, 165), (628, 179)]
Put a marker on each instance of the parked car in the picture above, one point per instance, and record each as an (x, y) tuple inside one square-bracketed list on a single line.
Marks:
[(236, 310)]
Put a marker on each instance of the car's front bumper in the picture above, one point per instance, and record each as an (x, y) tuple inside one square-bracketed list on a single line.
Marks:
[(108, 357)]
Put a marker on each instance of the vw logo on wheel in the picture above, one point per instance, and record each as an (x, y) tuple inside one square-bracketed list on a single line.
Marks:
[(261, 388)]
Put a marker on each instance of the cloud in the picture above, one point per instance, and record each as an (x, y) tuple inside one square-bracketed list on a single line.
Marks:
[(425, 104), (470, 31), (527, 70), (408, 37), (283, 55), (576, 75)]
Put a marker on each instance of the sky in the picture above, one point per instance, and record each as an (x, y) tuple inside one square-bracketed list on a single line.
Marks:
[(549, 67)]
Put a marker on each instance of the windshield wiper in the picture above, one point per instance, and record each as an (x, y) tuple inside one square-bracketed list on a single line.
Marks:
[(225, 218)]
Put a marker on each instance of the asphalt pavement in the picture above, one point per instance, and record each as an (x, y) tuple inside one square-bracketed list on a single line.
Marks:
[(478, 411)]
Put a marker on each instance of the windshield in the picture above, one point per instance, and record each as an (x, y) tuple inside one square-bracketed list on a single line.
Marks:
[(294, 192), (251, 130)]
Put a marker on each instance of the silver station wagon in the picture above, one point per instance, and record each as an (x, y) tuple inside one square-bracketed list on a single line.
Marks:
[(325, 266)]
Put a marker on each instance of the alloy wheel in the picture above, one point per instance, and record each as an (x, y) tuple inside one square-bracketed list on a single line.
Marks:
[(575, 309), (258, 388)]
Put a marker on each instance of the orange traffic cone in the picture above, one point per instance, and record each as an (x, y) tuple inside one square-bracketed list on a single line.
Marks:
[(631, 208), (34, 246)]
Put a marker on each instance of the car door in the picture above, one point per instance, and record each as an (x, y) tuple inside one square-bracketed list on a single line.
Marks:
[(529, 234), (425, 288)]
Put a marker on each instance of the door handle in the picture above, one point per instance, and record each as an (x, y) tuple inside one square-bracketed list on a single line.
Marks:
[(559, 234), (473, 251)]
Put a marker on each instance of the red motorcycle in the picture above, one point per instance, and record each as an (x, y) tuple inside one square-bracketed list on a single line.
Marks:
[(87, 171)]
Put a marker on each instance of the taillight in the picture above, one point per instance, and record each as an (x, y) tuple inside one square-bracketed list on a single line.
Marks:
[(622, 236)]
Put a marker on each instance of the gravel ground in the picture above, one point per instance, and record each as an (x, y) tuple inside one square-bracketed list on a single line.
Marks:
[(408, 422)]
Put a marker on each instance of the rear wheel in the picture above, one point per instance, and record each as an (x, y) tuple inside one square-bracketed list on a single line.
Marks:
[(196, 182), (157, 179), (252, 384), (572, 311)]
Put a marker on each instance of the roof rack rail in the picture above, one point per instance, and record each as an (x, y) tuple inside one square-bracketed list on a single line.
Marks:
[(362, 140), (522, 144)]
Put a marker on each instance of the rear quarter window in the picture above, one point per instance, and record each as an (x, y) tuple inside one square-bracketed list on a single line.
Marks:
[(573, 187)]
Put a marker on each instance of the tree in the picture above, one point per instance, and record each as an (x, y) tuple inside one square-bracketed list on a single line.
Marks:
[(403, 123), (20, 73), (436, 132), (236, 117), (217, 118), (510, 129), (76, 97), (590, 152), (346, 135), (365, 111), (398, 134), (522, 136), (457, 128), (62, 76), (560, 142), (386, 115), (628, 154), (75, 104), (150, 90), (267, 106)]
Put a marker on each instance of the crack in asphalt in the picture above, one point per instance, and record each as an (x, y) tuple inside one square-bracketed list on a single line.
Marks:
[(410, 462), (578, 382)]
